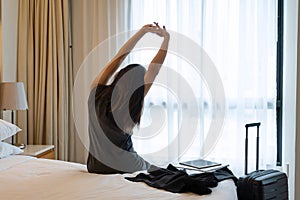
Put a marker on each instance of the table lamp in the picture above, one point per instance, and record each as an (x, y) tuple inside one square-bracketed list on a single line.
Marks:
[(12, 97)]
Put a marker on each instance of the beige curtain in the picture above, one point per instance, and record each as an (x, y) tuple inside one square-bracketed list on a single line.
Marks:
[(93, 21), (43, 65)]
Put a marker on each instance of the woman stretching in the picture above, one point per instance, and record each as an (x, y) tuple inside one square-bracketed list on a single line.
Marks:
[(116, 108)]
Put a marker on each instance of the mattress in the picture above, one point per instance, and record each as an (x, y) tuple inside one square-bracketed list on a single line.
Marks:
[(24, 177)]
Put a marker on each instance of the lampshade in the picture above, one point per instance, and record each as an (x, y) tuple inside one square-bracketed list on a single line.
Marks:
[(12, 96)]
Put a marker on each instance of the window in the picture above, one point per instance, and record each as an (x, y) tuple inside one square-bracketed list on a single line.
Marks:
[(240, 38)]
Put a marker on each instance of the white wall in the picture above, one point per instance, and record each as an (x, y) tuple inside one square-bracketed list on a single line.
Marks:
[(297, 150), (9, 39), (9, 18), (289, 90)]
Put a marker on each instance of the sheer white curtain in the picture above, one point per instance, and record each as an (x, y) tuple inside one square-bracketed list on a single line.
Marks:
[(240, 38)]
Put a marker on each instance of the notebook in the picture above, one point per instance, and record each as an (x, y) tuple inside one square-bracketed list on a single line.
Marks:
[(200, 163)]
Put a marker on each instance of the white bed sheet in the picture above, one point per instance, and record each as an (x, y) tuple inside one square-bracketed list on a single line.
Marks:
[(23, 177)]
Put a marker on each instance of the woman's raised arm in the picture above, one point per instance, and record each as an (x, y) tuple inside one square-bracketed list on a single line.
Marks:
[(111, 67), (158, 60)]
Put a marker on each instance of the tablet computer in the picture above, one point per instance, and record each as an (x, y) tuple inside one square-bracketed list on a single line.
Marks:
[(200, 163)]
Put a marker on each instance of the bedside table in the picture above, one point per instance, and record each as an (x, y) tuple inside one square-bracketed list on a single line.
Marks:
[(39, 151)]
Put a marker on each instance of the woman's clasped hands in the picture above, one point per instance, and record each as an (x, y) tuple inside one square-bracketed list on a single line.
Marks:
[(155, 28)]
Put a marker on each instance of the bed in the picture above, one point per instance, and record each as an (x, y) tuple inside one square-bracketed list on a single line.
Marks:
[(24, 177)]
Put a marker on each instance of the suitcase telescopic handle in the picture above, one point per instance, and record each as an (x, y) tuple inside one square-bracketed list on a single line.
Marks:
[(257, 146), (253, 124)]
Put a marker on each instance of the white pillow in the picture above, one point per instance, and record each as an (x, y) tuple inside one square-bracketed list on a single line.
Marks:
[(7, 129), (8, 149)]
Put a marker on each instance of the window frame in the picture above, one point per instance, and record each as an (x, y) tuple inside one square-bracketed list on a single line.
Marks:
[(279, 81)]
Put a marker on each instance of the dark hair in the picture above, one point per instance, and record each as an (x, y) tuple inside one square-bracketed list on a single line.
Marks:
[(126, 96)]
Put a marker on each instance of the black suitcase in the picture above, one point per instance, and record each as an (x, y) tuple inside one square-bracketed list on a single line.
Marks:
[(261, 184)]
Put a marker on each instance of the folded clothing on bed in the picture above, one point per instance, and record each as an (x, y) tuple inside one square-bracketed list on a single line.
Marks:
[(178, 181)]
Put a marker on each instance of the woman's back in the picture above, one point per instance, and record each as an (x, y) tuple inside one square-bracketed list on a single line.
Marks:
[(102, 126)]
